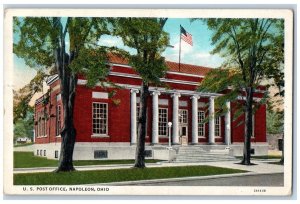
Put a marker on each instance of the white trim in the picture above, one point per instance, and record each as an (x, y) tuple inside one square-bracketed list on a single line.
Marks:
[(120, 65), (244, 98), (99, 135), (185, 74), (168, 72), (81, 82), (183, 103), (201, 104), (153, 88), (164, 102), (175, 81), (52, 79), (99, 95)]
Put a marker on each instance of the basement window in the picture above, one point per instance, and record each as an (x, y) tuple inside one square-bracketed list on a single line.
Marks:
[(148, 153), (44, 152), (56, 154), (100, 154)]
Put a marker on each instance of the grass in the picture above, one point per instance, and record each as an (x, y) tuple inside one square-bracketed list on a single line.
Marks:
[(28, 160), (22, 145), (116, 175), (263, 157)]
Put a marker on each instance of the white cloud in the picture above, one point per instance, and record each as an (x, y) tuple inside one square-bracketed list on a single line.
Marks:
[(111, 41), (198, 58)]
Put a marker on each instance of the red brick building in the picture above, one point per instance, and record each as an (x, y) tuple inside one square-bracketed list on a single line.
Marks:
[(106, 118)]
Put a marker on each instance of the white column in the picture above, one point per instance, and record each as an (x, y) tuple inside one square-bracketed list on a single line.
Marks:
[(175, 132), (211, 137), (133, 131), (228, 124), (155, 95), (195, 119)]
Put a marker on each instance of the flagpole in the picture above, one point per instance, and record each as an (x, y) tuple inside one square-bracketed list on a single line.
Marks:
[(179, 46)]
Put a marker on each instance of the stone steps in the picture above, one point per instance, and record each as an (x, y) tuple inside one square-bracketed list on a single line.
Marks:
[(197, 154)]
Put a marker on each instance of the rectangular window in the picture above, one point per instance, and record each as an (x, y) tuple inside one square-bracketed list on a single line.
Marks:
[(44, 152), (38, 124), (58, 119), (45, 123), (100, 154), (56, 154), (162, 121), (41, 152), (148, 153), (183, 116), (201, 125), (100, 118), (37, 152), (218, 127)]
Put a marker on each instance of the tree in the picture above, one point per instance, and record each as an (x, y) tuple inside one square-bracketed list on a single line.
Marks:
[(147, 37), (249, 52), (274, 121), (23, 127), (70, 46), (23, 96)]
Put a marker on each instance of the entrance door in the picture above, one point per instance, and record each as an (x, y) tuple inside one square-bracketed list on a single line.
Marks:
[(183, 126), (183, 134)]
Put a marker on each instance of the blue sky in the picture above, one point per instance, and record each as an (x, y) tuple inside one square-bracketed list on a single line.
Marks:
[(198, 54)]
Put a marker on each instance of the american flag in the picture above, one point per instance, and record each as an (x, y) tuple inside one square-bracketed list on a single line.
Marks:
[(186, 36)]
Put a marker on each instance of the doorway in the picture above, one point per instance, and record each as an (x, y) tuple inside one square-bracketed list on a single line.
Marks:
[(183, 126)]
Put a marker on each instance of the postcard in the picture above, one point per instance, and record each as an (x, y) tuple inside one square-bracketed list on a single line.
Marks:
[(148, 102)]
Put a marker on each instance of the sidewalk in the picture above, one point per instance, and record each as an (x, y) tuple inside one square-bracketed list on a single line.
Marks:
[(261, 167)]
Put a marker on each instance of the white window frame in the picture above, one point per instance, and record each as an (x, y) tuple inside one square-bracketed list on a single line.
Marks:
[(220, 121), (106, 113), (201, 123), (187, 116), (166, 123)]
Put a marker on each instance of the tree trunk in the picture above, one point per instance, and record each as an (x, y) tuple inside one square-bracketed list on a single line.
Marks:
[(282, 156), (140, 147), (248, 127), (68, 134)]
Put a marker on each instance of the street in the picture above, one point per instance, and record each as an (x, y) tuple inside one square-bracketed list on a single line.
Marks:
[(246, 180)]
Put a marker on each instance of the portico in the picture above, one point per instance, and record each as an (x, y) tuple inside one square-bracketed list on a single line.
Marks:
[(186, 116)]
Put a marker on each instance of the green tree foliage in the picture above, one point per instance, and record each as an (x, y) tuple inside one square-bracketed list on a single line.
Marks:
[(70, 46), (23, 127), (23, 96), (274, 122), (147, 38), (250, 56)]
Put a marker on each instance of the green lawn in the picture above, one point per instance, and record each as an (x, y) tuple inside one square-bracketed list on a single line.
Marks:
[(22, 145), (115, 175), (28, 160), (263, 157)]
